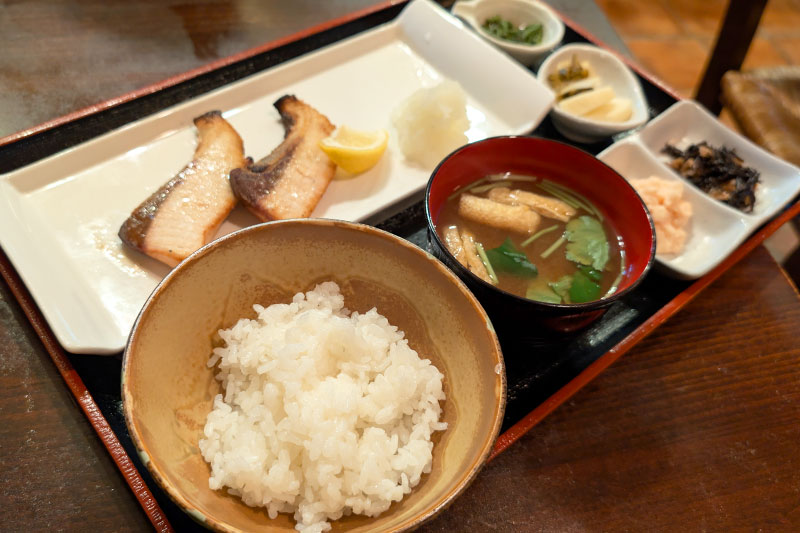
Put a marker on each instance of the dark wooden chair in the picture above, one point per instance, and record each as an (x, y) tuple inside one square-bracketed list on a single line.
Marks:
[(733, 40), (765, 103)]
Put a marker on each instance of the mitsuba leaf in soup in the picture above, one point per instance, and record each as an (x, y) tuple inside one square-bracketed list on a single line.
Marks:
[(561, 287), (587, 244), (542, 295), (583, 289), (507, 258)]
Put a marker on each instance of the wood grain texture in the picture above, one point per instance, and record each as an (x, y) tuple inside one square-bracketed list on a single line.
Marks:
[(692, 429), (97, 50), (695, 427), (54, 471)]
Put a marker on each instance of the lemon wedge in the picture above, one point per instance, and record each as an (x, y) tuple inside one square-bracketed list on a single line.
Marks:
[(355, 151)]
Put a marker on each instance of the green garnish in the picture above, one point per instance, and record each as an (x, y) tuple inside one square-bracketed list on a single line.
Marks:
[(587, 242), (508, 177), (486, 262), (538, 234), (495, 180), (594, 275), (561, 287), (553, 247), (468, 187), (507, 258), (504, 29), (561, 195), (583, 289), (570, 197), (618, 279), (488, 186), (548, 296)]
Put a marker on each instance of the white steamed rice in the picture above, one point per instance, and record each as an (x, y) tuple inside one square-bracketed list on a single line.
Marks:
[(324, 413)]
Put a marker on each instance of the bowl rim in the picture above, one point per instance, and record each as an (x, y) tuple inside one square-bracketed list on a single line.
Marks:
[(577, 307), (466, 478), (584, 122), (533, 6)]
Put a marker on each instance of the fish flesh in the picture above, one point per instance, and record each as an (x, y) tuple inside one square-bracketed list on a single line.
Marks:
[(185, 213), (289, 182)]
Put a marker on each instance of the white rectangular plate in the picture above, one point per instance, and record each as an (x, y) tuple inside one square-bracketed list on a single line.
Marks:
[(59, 217), (716, 229)]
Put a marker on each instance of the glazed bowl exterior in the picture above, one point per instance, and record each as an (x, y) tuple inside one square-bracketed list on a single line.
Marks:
[(559, 162), (168, 389)]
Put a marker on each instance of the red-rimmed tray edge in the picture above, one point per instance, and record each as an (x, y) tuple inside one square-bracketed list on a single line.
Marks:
[(83, 397), (100, 424)]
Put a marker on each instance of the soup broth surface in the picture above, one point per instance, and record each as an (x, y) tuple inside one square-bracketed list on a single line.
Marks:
[(556, 265)]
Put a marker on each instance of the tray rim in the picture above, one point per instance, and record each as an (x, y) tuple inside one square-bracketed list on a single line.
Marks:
[(98, 421)]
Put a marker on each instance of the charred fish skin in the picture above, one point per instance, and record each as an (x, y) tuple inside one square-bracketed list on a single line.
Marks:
[(185, 212), (289, 182)]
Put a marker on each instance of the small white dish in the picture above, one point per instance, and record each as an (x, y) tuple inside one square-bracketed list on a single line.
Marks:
[(686, 122), (519, 12), (614, 73), (713, 232)]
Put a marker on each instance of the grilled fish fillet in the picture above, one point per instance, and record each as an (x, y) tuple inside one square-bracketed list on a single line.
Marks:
[(290, 181), (185, 212)]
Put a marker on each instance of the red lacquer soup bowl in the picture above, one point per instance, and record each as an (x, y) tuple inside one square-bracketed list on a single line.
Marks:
[(563, 164)]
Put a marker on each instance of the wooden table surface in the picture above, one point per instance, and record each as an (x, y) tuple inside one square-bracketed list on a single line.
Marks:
[(696, 428)]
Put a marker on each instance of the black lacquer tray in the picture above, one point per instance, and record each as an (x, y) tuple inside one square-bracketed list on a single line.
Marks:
[(541, 374)]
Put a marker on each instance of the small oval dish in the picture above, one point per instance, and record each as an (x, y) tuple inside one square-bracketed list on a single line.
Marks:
[(610, 77), (520, 13)]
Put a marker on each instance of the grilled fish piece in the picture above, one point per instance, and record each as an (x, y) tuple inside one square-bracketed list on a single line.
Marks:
[(185, 212), (289, 182)]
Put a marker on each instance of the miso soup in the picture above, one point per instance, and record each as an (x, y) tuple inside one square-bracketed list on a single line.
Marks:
[(533, 238)]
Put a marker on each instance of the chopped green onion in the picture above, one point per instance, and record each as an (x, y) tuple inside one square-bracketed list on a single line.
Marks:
[(538, 234), (578, 198), (488, 186), (468, 187), (553, 247), (560, 195), (569, 197), (512, 177), (615, 285), (486, 263), (496, 180)]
